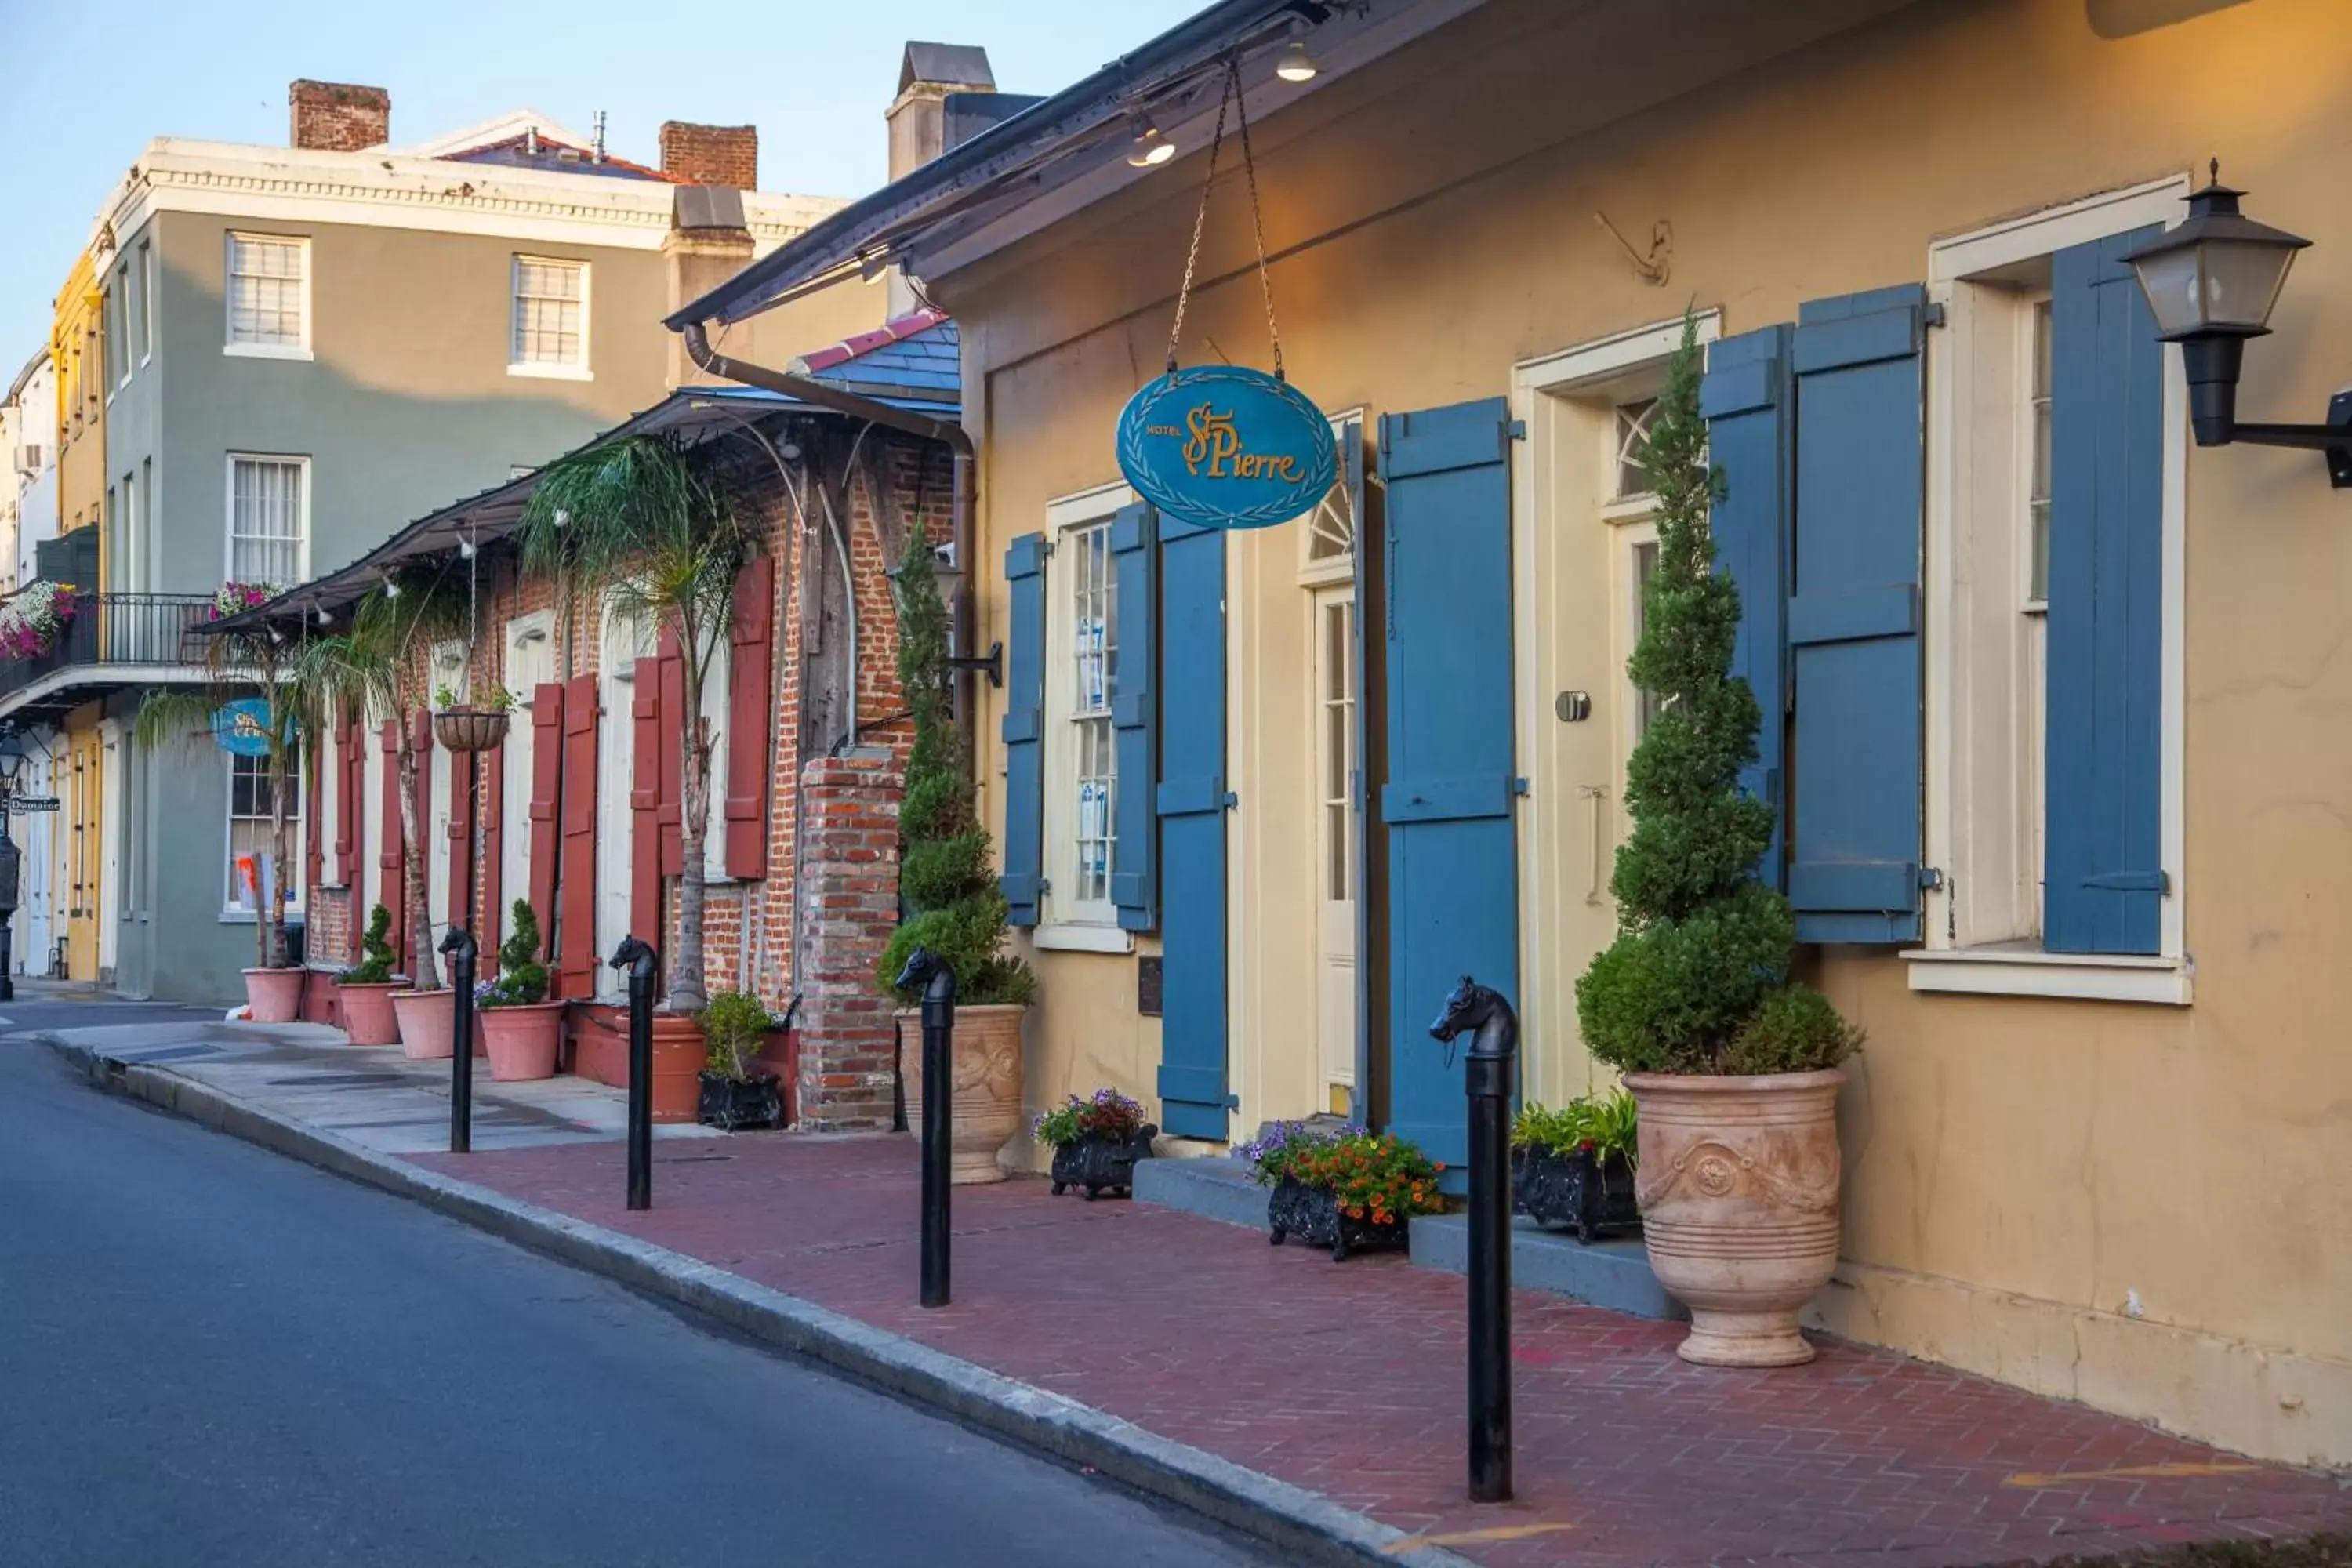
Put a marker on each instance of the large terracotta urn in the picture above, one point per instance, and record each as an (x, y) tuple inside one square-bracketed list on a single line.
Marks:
[(273, 995), (522, 1041), (987, 1086), (1738, 1191), (679, 1053), (428, 1025), (368, 1017)]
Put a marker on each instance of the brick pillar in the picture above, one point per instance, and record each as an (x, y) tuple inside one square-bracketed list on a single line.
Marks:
[(848, 907)]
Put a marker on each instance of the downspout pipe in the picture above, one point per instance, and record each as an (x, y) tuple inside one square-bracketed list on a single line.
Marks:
[(965, 505)]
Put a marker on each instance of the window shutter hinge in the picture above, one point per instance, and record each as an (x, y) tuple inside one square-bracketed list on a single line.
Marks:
[(1516, 430), (1931, 877), (1931, 315), (1044, 885), (1232, 800), (1518, 786)]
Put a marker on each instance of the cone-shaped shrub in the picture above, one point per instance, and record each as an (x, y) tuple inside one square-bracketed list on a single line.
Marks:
[(953, 906), (1697, 979)]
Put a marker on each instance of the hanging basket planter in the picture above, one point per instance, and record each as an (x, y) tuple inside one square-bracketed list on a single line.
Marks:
[(469, 728)]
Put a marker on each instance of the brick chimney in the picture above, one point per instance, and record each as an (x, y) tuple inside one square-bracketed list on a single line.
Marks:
[(711, 155), (338, 117), (707, 243), (917, 117)]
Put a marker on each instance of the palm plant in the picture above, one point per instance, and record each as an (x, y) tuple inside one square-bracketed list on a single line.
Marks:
[(376, 668), (258, 663), (640, 524)]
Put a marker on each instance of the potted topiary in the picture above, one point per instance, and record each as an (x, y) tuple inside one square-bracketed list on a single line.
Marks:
[(1733, 1063), (1574, 1166), (1346, 1189), (735, 1094), (1096, 1142), (364, 990), (955, 908), (522, 1031)]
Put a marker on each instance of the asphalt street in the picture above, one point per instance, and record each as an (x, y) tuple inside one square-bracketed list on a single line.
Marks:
[(210, 1354)]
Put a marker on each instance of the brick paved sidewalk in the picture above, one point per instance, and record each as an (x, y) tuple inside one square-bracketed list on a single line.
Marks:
[(1348, 1378)]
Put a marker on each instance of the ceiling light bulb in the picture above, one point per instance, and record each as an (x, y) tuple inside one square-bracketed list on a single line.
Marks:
[(324, 618), (391, 588), (562, 517), (1150, 148), (1296, 64), (465, 550)]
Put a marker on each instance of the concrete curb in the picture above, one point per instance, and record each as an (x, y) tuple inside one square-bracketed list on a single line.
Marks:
[(1293, 1519)]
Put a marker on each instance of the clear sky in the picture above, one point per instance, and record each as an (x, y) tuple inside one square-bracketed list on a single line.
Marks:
[(85, 86)]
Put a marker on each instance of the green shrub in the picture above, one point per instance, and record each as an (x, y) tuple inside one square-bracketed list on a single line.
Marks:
[(376, 968), (1697, 979), (954, 906), (1606, 1124), (734, 1026), (522, 979)]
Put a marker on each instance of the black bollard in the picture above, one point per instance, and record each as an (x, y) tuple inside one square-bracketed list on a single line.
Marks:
[(643, 966), (938, 979), (462, 952), (1493, 1048)]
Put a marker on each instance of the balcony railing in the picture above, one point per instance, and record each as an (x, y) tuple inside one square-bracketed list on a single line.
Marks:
[(118, 629)]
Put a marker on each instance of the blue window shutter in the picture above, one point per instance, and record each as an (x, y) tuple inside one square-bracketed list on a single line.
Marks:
[(1748, 402), (1856, 767), (2104, 882), (1024, 730), (1192, 800), (1135, 718), (1448, 802)]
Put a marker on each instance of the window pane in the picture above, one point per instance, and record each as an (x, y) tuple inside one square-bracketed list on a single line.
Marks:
[(265, 521), (1645, 567), (1632, 438), (547, 316), (2037, 506), (265, 291), (1094, 661)]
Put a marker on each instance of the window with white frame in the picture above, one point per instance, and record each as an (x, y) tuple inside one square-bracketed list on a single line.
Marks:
[(1630, 479), (551, 316), (1999, 410), (1081, 757), (269, 508), (268, 293), (716, 680), (250, 867), (117, 328), (144, 332)]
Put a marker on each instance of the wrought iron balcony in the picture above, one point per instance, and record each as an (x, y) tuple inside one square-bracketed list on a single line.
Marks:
[(112, 638)]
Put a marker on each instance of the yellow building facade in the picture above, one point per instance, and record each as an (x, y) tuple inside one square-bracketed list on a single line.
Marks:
[(80, 345), (2113, 1175)]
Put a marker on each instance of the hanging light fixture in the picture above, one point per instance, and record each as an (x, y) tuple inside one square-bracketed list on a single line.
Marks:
[(2211, 283), (1150, 148), (1295, 64)]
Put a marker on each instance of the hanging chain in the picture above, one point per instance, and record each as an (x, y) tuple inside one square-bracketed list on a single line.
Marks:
[(473, 608), (1229, 97), (1257, 216), (1199, 221)]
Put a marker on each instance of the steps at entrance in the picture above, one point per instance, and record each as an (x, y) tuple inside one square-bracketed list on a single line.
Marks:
[(1214, 1186), (1615, 1274)]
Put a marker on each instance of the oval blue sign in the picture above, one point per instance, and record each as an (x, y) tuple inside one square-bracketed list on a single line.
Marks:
[(242, 727), (1226, 447)]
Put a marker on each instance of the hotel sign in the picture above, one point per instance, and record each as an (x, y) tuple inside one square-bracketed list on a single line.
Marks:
[(1226, 447)]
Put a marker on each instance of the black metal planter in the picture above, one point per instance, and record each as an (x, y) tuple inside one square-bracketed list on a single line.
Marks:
[(1101, 1164), (1312, 1214), (726, 1103), (1593, 1197)]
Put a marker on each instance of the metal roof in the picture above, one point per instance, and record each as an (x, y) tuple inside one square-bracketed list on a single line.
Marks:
[(905, 360)]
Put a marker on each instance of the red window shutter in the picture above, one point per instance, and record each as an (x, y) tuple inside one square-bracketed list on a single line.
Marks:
[(546, 792), (420, 743), (340, 869), (393, 891), (314, 847), (649, 837), (494, 824), (672, 724), (576, 947), (461, 839), (751, 673)]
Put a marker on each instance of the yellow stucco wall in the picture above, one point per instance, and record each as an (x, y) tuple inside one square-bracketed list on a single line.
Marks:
[(78, 348), (2137, 1205)]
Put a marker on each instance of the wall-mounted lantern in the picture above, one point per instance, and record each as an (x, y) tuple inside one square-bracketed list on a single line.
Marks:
[(2211, 283)]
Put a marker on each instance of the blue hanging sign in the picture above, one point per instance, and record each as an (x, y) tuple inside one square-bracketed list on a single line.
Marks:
[(1223, 446), (241, 727)]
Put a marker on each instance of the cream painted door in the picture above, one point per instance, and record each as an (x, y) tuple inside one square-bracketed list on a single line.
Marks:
[(84, 809), (1336, 866)]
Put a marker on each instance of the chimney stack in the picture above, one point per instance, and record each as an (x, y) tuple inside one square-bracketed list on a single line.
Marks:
[(338, 117), (711, 155), (917, 117)]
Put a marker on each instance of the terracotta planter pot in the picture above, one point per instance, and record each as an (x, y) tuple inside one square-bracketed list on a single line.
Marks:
[(600, 1045), (987, 1086), (368, 1017), (679, 1055), (1739, 1192), (428, 1023), (273, 995), (522, 1041)]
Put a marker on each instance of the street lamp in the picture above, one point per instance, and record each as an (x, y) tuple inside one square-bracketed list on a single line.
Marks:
[(948, 578), (12, 758), (2211, 283)]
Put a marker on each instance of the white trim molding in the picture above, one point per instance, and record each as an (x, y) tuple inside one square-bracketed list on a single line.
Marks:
[(2022, 969)]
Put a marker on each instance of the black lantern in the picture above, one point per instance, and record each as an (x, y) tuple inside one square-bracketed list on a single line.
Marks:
[(12, 758), (948, 578), (2211, 283)]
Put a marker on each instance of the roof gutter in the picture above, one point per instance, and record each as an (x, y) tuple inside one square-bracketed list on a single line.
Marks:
[(965, 505)]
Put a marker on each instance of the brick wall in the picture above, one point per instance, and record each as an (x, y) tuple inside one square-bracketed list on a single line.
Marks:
[(848, 1072), (711, 155), (338, 117)]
